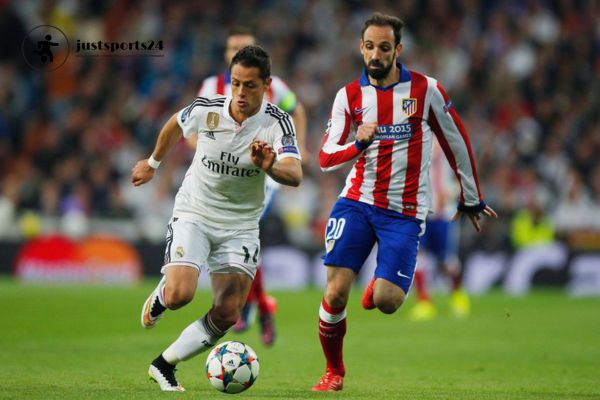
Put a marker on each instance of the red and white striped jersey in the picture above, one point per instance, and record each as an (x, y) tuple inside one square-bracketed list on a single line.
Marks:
[(392, 172), (278, 92)]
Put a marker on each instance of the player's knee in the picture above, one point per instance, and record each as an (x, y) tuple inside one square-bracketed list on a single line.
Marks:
[(388, 307), (224, 317), (177, 298), (388, 304), (335, 298)]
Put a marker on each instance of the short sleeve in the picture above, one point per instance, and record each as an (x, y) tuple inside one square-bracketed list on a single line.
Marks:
[(189, 118), (284, 136)]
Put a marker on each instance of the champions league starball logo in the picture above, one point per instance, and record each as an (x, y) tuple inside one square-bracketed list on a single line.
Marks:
[(45, 47)]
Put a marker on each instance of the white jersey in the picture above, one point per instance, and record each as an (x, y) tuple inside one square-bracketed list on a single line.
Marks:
[(277, 93), (222, 187)]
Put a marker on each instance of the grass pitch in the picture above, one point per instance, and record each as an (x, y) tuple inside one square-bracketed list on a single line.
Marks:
[(74, 342)]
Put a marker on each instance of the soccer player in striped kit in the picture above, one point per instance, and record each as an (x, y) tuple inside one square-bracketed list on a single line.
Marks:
[(395, 113), (279, 94)]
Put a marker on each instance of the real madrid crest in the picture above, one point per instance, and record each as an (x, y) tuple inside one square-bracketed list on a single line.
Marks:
[(212, 121), (179, 252)]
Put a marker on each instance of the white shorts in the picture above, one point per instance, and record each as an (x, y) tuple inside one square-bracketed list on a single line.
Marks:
[(194, 244)]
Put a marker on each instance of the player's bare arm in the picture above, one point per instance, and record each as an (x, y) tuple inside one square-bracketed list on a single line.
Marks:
[(476, 216), (287, 171), (143, 172)]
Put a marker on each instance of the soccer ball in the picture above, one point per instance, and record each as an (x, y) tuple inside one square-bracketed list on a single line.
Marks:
[(232, 367)]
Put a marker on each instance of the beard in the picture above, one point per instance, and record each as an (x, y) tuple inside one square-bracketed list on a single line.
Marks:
[(381, 72)]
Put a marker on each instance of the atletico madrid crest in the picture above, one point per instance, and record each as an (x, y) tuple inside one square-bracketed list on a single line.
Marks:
[(409, 106)]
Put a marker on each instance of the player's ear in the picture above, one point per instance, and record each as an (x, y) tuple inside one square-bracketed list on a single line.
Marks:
[(268, 82), (399, 48)]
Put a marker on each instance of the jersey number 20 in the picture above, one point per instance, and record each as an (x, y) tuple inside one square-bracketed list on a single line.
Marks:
[(335, 228)]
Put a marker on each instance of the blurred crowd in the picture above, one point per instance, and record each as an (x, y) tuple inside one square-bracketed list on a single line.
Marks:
[(523, 75)]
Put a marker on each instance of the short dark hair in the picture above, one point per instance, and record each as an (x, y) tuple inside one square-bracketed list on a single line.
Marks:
[(253, 56), (379, 19)]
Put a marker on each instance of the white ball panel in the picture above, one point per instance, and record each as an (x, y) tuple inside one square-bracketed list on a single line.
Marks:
[(255, 367), (214, 367), (236, 347), (242, 374), (234, 387), (230, 361), (217, 384), (251, 352)]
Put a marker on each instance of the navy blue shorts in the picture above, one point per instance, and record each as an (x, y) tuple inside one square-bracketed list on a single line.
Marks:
[(353, 229), (441, 239)]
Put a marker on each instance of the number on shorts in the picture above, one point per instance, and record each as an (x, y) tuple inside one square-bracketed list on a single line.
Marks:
[(335, 228), (247, 255)]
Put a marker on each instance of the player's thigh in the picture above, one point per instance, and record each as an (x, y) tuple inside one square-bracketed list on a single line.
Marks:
[(398, 244), (187, 244), (339, 284), (187, 247), (386, 291), (234, 251), (349, 237), (181, 281)]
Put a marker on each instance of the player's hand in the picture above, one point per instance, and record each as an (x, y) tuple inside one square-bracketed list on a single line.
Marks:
[(141, 173), (262, 154), (366, 132), (476, 216)]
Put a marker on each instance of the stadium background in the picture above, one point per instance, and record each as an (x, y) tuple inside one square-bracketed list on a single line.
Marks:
[(522, 74)]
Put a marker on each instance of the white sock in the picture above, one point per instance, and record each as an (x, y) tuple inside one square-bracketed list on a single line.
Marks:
[(161, 291), (200, 336)]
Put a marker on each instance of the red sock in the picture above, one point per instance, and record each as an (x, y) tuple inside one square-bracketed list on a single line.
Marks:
[(251, 296), (331, 335), (259, 293), (421, 286), (455, 282)]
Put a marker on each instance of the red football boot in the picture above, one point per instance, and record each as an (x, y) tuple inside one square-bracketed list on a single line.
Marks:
[(329, 382), (367, 297)]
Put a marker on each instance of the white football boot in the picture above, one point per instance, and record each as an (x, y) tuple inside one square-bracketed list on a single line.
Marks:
[(164, 374)]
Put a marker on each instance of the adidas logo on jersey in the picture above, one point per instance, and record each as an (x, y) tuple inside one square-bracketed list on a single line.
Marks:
[(211, 135)]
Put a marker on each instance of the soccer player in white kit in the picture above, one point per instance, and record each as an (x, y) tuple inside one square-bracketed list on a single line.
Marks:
[(279, 94), (242, 139)]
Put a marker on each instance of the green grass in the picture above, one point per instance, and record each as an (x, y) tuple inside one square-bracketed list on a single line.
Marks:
[(69, 342)]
